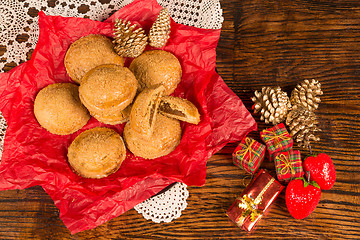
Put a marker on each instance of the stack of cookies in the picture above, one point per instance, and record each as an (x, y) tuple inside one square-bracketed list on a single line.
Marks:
[(114, 94)]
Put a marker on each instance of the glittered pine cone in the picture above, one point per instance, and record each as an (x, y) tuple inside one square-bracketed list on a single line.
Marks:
[(129, 42), (302, 124), (160, 30), (272, 103), (307, 94)]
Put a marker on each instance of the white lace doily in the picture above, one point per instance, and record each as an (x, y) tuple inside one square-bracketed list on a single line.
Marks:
[(3, 126), (17, 18), (166, 206)]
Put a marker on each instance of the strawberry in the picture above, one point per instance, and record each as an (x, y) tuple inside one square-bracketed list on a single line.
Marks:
[(322, 170), (302, 197)]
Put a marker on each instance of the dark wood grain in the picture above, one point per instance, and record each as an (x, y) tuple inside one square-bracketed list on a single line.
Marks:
[(263, 43)]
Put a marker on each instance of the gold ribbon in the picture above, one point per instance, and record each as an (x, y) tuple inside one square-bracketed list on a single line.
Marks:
[(276, 138), (250, 205), (285, 165), (247, 148)]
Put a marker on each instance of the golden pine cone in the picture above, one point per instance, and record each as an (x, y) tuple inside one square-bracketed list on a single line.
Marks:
[(307, 94), (302, 124), (160, 30), (129, 42), (272, 103)]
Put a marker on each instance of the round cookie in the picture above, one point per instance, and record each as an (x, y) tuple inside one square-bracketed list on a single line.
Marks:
[(88, 52), (115, 118), (180, 109), (58, 109), (157, 67), (108, 89), (165, 138), (96, 153), (144, 110)]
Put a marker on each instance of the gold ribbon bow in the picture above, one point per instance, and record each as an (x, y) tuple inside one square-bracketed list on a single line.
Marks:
[(247, 148), (276, 138), (285, 164), (250, 205)]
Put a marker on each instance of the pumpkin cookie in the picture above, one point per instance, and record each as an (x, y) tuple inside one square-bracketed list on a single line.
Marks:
[(96, 153), (157, 67), (58, 109), (180, 109), (115, 118), (88, 52), (144, 110), (108, 89), (164, 139)]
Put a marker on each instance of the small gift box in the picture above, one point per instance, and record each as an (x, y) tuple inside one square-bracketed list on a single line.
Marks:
[(277, 139), (288, 165), (249, 207), (249, 154)]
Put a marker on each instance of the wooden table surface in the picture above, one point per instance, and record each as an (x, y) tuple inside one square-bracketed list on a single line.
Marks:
[(263, 43)]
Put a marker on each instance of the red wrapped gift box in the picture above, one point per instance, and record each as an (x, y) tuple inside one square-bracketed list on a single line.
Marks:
[(249, 207), (277, 139), (288, 165), (249, 155), (32, 156)]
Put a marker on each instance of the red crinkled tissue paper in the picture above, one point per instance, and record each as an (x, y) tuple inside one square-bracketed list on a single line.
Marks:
[(33, 156)]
